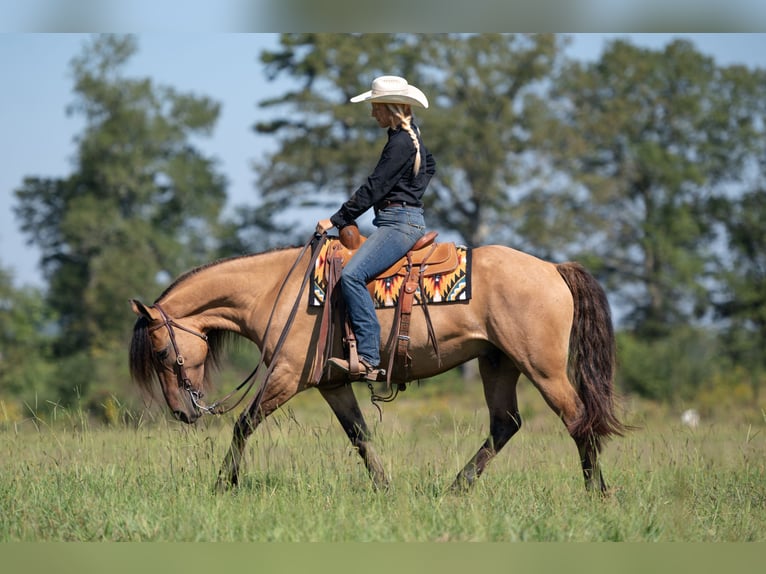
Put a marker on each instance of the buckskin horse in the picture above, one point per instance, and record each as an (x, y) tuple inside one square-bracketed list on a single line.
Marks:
[(550, 322)]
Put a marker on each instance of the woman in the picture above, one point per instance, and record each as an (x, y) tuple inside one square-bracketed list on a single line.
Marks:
[(394, 190)]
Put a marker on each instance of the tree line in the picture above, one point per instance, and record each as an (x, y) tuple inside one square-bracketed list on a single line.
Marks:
[(645, 165)]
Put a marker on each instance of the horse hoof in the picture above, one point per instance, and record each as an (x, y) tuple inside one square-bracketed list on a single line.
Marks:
[(223, 486)]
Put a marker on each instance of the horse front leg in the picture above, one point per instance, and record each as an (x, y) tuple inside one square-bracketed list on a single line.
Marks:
[(228, 475), (343, 403), (256, 412)]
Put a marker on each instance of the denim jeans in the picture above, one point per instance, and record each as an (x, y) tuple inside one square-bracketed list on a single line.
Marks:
[(398, 228)]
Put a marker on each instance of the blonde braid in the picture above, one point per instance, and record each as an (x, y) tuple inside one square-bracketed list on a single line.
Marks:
[(402, 115)]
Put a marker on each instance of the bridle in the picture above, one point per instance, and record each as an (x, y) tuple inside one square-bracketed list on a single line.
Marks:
[(184, 382)]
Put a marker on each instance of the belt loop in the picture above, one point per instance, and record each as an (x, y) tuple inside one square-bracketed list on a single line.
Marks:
[(388, 203)]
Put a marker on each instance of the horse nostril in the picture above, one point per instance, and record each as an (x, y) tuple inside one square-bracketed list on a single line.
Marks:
[(182, 416)]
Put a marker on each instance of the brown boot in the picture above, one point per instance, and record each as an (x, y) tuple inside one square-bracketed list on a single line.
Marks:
[(367, 372)]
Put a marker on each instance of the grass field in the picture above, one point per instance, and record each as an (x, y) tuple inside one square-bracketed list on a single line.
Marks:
[(151, 480)]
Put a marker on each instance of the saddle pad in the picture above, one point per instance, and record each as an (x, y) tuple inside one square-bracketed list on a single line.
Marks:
[(447, 287)]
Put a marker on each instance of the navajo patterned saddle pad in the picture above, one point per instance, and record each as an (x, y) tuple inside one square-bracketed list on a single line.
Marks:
[(447, 278)]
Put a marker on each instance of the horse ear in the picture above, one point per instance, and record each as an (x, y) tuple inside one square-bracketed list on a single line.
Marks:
[(140, 309)]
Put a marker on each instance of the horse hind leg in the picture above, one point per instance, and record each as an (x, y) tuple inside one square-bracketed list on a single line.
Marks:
[(499, 377), (589, 448), (563, 399)]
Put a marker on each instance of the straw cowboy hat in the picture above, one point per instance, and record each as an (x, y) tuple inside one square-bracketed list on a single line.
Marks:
[(392, 90)]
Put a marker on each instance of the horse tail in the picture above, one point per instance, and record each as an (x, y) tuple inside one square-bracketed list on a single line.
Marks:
[(592, 356)]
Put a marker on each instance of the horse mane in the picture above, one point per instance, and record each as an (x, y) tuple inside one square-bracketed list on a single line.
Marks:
[(190, 273)]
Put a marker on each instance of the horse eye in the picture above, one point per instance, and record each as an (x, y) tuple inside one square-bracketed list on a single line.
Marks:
[(162, 355)]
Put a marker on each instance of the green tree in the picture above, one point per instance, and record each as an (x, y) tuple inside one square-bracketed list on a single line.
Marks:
[(741, 299), (25, 341), (477, 127), (672, 369), (143, 202), (486, 89), (645, 138)]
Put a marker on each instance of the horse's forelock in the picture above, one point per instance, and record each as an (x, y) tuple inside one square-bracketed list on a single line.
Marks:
[(142, 358), (143, 361)]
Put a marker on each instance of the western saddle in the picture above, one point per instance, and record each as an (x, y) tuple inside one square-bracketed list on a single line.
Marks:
[(424, 259)]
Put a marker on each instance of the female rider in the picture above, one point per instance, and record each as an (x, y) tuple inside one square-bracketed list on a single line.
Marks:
[(394, 190)]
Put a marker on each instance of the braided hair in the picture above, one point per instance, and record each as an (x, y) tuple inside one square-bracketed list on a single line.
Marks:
[(402, 115)]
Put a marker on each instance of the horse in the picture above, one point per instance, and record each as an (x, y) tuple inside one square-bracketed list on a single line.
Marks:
[(548, 321)]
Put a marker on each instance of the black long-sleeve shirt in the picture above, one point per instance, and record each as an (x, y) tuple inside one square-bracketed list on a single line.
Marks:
[(391, 180)]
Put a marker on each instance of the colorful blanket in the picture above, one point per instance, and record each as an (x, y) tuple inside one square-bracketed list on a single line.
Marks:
[(445, 288)]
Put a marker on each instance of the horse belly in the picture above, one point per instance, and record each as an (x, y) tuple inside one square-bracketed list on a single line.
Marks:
[(460, 332)]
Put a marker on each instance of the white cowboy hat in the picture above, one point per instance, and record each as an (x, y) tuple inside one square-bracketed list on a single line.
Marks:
[(392, 90)]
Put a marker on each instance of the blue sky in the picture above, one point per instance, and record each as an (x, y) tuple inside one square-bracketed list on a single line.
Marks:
[(37, 136)]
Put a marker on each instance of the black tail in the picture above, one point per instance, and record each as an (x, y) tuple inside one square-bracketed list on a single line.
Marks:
[(592, 355)]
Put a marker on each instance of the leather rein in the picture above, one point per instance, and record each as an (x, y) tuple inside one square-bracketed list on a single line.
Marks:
[(184, 381)]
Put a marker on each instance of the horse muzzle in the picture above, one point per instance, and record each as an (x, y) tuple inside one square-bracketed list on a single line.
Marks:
[(188, 417)]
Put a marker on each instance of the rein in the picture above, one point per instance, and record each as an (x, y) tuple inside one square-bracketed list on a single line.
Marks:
[(185, 382)]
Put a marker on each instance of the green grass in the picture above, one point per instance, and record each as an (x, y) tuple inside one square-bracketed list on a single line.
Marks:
[(152, 481)]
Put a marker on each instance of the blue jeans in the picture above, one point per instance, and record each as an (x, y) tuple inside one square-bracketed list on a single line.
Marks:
[(398, 228)]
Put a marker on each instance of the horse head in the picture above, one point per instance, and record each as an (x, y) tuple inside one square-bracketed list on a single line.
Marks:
[(174, 353)]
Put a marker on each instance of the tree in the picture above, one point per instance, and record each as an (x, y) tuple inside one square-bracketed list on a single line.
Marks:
[(142, 202), (645, 138), (25, 338), (477, 128), (741, 298)]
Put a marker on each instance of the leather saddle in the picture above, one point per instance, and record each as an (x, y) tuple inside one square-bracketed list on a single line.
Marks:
[(424, 259), (434, 258)]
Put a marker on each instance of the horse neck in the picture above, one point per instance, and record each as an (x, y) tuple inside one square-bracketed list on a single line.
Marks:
[(233, 295)]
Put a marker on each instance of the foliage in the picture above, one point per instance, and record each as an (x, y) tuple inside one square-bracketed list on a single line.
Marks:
[(485, 91), (611, 162), (672, 369), (142, 203), (26, 324), (741, 301), (619, 163), (645, 165), (476, 126), (648, 136)]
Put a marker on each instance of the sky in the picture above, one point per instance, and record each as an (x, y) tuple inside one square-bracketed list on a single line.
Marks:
[(37, 137)]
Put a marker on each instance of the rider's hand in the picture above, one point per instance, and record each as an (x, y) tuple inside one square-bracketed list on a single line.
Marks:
[(324, 225)]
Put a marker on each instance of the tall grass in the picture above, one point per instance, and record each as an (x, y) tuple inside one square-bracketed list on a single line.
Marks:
[(151, 480)]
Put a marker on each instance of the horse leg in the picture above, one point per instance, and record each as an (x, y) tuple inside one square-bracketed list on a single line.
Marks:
[(228, 475), (343, 403), (589, 448), (259, 408), (561, 396), (499, 376)]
